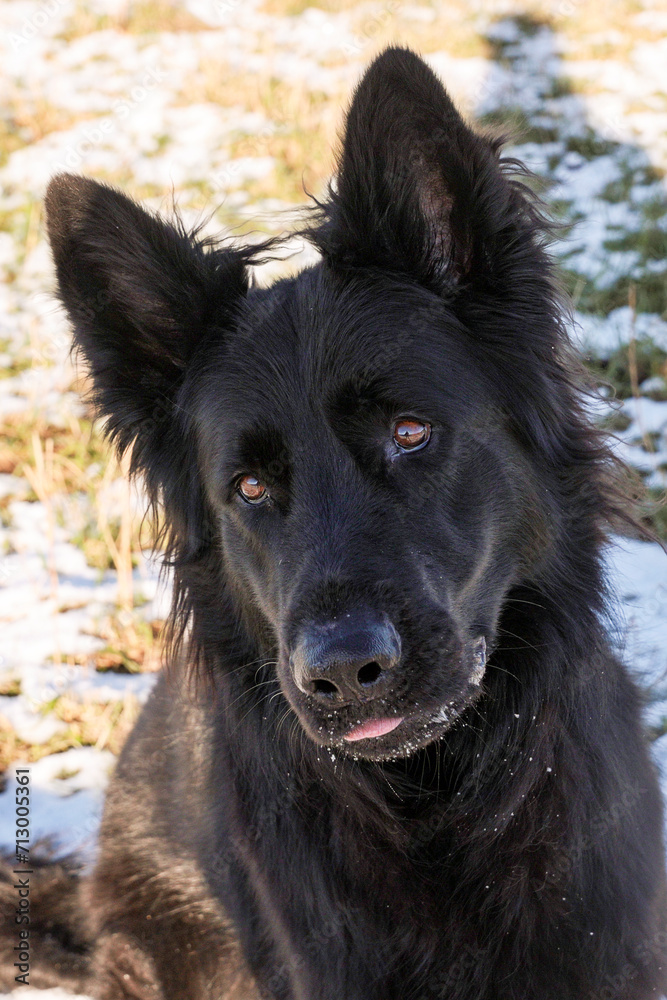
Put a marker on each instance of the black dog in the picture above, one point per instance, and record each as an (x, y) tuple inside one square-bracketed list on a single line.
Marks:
[(414, 768)]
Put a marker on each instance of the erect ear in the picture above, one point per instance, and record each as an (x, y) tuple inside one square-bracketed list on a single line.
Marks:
[(416, 189), (141, 295)]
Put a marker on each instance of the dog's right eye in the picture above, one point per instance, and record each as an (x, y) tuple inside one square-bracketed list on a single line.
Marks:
[(251, 489), (411, 434)]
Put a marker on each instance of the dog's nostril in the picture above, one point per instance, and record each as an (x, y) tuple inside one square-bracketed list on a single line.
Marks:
[(346, 660), (369, 673), (324, 687)]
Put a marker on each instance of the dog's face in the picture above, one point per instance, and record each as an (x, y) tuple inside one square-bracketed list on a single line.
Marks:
[(343, 452), (370, 500)]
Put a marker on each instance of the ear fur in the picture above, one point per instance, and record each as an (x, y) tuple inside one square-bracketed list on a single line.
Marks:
[(417, 190), (141, 294)]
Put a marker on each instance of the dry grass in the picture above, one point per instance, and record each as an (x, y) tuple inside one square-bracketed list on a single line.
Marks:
[(135, 18), (587, 27), (292, 8), (10, 687), (34, 116), (454, 25), (27, 116), (102, 726), (70, 459), (132, 644), (77, 448), (105, 727)]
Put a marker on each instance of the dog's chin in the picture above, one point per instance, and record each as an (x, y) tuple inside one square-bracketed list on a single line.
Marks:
[(404, 735)]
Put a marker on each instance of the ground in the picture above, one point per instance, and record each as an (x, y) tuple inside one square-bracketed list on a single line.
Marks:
[(230, 109)]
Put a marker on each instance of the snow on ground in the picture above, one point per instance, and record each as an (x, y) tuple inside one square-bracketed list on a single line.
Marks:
[(25, 993), (187, 109), (637, 576)]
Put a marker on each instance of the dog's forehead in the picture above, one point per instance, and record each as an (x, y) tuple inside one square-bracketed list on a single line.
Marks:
[(306, 337)]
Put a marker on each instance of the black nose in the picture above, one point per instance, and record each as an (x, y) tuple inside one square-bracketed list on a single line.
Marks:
[(349, 658)]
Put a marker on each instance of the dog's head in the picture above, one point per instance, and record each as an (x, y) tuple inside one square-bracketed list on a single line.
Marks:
[(361, 461)]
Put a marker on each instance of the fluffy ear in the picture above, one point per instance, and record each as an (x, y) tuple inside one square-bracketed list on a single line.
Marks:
[(416, 189), (141, 295)]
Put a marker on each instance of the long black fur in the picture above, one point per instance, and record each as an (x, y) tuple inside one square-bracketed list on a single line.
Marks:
[(508, 847)]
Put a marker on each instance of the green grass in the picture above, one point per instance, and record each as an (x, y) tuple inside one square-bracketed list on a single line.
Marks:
[(616, 369)]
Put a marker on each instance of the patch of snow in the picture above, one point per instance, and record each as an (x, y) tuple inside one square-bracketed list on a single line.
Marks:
[(27, 993), (604, 335), (31, 726), (66, 800), (638, 576)]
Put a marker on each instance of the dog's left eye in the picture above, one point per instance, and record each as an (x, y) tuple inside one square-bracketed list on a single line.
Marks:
[(251, 489), (410, 435)]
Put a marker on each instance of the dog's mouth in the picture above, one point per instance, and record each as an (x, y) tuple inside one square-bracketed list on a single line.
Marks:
[(402, 735), (399, 732)]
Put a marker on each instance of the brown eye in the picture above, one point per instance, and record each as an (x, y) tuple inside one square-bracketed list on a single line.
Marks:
[(411, 435), (251, 489)]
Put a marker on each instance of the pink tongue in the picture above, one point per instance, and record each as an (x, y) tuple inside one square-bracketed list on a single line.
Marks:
[(376, 727)]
